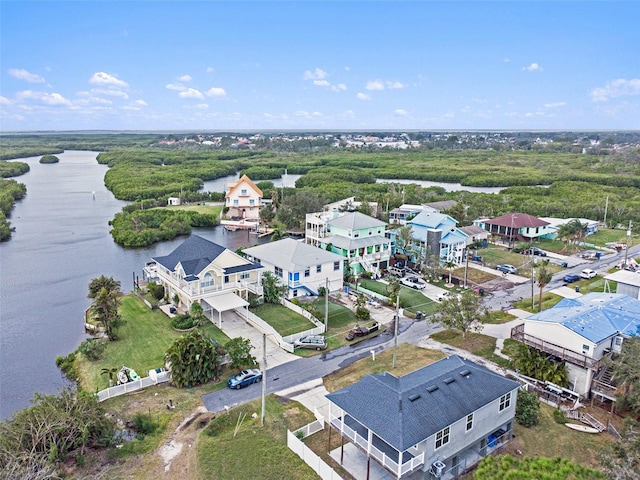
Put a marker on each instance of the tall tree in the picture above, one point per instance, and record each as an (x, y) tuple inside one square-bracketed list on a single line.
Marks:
[(621, 459), (105, 293), (272, 288), (404, 238), (193, 360), (544, 277), (626, 368), (463, 313)]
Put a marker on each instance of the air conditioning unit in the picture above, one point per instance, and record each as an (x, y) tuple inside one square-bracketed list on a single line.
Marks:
[(437, 468)]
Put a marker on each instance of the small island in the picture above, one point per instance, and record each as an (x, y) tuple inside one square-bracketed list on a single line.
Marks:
[(49, 159)]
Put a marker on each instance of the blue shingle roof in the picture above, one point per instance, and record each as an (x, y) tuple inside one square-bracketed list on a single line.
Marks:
[(384, 404), (195, 253), (595, 316)]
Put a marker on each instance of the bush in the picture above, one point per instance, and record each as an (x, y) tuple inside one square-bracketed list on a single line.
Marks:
[(144, 424), (156, 290), (184, 322), (527, 409), (92, 348), (67, 365), (559, 416)]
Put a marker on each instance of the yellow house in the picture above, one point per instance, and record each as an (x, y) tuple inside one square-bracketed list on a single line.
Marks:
[(243, 199)]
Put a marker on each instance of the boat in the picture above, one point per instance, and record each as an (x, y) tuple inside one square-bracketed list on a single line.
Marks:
[(582, 428)]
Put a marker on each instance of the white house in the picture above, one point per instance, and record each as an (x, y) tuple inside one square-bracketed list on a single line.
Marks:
[(591, 226), (581, 331), (200, 271), (173, 201), (243, 199), (442, 418), (302, 268), (627, 283)]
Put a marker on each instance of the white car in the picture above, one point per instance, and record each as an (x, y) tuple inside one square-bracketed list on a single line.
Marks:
[(413, 282), (588, 273)]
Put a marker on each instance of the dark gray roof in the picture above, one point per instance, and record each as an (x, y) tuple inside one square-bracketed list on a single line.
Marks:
[(195, 253), (242, 268), (383, 402)]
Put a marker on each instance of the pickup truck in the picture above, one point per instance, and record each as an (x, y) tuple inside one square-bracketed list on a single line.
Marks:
[(413, 282)]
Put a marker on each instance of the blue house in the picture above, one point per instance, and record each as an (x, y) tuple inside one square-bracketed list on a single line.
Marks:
[(438, 234)]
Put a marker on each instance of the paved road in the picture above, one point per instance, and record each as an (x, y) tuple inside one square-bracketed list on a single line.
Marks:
[(304, 369)]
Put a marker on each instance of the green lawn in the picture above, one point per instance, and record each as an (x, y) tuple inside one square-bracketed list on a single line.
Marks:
[(548, 300), (143, 341), (254, 451), (285, 321), (203, 209), (476, 343), (410, 299)]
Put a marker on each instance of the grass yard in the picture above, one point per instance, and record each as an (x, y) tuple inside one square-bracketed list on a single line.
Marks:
[(548, 300), (285, 321), (498, 317), (610, 235), (143, 341), (408, 359), (253, 451), (203, 209), (476, 343), (410, 299)]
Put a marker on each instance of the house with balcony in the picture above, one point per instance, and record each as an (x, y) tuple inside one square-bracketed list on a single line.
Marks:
[(581, 332), (200, 271), (360, 239), (243, 199), (514, 227), (441, 419), (436, 234), (590, 226), (407, 211), (301, 267)]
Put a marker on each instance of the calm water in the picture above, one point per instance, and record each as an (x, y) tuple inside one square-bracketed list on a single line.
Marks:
[(219, 184), (61, 242)]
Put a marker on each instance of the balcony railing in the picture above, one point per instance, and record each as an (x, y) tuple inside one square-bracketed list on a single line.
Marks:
[(195, 291)]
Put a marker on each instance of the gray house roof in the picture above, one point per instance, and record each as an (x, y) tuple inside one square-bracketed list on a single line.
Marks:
[(356, 221), (292, 255), (406, 410)]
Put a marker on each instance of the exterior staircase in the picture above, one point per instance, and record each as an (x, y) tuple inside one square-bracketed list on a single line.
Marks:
[(368, 267), (587, 419)]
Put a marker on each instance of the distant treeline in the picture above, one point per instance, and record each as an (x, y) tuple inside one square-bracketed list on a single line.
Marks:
[(10, 191)]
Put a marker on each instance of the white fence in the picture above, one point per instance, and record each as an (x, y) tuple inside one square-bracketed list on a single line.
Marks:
[(264, 327), (319, 326), (132, 386), (310, 457)]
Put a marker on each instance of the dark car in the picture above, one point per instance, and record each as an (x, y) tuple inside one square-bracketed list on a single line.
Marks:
[(537, 251), (505, 268), (316, 342), (245, 378), (570, 278)]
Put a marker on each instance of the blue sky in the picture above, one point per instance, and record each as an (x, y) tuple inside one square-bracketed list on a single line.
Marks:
[(418, 65)]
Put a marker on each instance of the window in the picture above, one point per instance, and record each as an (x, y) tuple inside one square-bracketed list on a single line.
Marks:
[(207, 281), (505, 401), (356, 234), (243, 191), (295, 292), (235, 202), (318, 268), (442, 437), (336, 266), (278, 271), (245, 276), (226, 279), (370, 232), (585, 348), (469, 421), (252, 201), (307, 272)]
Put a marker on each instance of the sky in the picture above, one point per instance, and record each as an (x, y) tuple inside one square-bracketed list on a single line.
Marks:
[(319, 65)]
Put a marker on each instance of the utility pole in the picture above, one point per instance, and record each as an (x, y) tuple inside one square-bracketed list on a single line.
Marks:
[(532, 279), (264, 377), (395, 330), (626, 250), (606, 205), (466, 266), (326, 305)]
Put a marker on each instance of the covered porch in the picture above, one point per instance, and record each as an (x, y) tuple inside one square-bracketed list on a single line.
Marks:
[(222, 303)]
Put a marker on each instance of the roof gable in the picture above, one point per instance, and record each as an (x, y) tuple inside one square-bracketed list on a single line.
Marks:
[(243, 180), (420, 404), (356, 221), (194, 254)]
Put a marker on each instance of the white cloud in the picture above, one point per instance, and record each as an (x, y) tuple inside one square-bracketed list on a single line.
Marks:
[(202, 106), (185, 78), (507, 60), (110, 92), (616, 88), (555, 104), (216, 92), (363, 96), (22, 74), (301, 113), (141, 103), (317, 74), (534, 67), (176, 86), (321, 83), (400, 112), (210, 70), (191, 93), (4, 101), (394, 85), (347, 69), (44, 97), (102, 78), (339, 87), (375, 85)]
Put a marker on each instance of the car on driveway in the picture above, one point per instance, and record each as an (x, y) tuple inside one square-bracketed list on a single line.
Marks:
[(536, 251), (413, 282), (570, 278), (506, 268), (245, 378), (314, 342), (588, 273)]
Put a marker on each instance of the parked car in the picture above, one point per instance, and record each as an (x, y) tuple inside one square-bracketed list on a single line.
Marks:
[(588, 273), (314, 342), (590, 255), (413, 282), (506, 268), (570, 278), (245, 378), (398, 272), (536, 251)]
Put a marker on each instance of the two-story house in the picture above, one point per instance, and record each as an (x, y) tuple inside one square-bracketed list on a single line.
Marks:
[(580, 332), (436, 234), (301, 267), (204, 272), (514, 227), (360, 239), (442, 418), (243, 199)]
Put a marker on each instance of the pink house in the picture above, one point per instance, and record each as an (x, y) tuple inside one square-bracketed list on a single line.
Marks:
[(243, 199)]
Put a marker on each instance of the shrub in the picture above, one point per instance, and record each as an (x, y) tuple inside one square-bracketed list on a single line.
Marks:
[(559, 416), (144, 424), (527, 409), (184, 322), (156, 290), (67, 365), (92, 348)]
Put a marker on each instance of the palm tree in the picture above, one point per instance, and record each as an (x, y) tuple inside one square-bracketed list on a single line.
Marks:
[(105, 293), (403, 239), (544, 277), (450, 265)]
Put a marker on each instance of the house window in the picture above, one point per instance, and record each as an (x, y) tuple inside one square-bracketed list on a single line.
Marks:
[(245, 276), (307, 272), (318, 268), (469, 421), (370, 232), (252, 202), (226, 279), (278, 271), (442, 437), (235, 202), (336, 266), (356, 234), (505, 401), (207, 281), (295, 292), (243, 191), (585, 348)]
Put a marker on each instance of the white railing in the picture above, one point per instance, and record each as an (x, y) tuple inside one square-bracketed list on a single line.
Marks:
[(295, 336), (319, 328), (132, 386), (311, 458), (265, 328)]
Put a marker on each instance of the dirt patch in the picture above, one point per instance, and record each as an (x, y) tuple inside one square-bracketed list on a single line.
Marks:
[(292, 411)]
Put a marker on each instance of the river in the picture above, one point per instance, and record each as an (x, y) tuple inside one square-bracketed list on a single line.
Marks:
[(61, 242)]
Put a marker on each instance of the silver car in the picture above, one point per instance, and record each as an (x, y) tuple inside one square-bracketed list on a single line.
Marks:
[(315, 342)]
